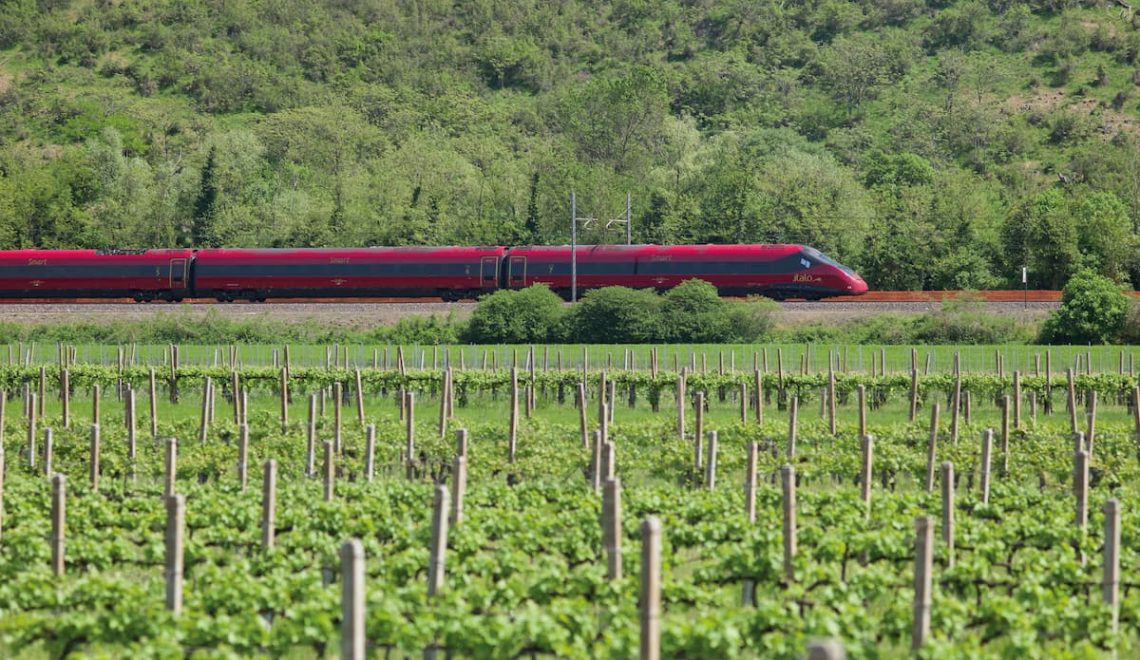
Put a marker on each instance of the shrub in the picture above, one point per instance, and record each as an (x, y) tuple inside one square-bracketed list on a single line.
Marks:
[(523, 316), (616, 315), (1093, 310), (1131, 332), (965, 321), (695, 313), (751, 320)]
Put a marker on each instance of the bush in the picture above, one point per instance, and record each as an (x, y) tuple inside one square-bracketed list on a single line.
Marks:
[(695, 313), (523, 316), (1131, 332), (965, 321), (1093, 310), (617, 315), (751, 320)]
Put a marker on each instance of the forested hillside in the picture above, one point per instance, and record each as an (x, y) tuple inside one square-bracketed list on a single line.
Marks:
[(930, 144)]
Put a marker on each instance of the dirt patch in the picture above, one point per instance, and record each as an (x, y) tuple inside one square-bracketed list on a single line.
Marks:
[(1108, 122)]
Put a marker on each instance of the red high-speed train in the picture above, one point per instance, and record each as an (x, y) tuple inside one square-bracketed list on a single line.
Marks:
[(451, 273)]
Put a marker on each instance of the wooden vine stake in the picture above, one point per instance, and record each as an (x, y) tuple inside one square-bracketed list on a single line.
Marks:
[(48, 452), (330, 472), (284, 392), (513, 429), (861, 398), (31, 401), (1111, 582), (596, 463), (650, 601), (750, 482), (94, 459), (410, 434), (458, 487), (913, 395), (987, 451), (352, 646), (1081, 485), (360, 398), (1072, 401), (831, 417), (438, 549), (369, 452), (758, 385), (710, 464), (948, 511), (923, 570), (132, 435), (609, 461), (311, 437), (583, 425), (65, 396), (338, 416), (203, 429), (153, 391), (956, 406), (175, 544), (826, 649), (1004, 435), (443, 397), (932, 448), (699, 430), (865, 475), (792, 415), (1016, 399), (1090, 423), (1135, 415), (611, 527), (171, 467), (788, 482), (58, 523), (243, 456), (268, 505), (680, 394), (744, 404)]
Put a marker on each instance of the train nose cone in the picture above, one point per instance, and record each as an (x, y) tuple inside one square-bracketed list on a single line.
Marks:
[(858, 286)]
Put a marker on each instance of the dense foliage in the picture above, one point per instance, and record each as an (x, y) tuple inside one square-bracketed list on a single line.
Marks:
[(930, 144), (1093, 310), (689, 313)]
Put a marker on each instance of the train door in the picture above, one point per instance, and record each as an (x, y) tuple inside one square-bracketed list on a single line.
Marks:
[(516, 276), (177, 274), (487, 275)]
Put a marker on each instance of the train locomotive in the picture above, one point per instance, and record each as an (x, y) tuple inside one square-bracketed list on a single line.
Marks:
[(451, 273)]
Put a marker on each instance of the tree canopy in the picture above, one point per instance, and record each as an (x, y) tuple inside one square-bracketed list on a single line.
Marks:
[(926, 143)]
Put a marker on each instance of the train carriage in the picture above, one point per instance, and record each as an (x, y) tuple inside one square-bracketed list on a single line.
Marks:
[(144, 275), (776, 271), (451, 273)]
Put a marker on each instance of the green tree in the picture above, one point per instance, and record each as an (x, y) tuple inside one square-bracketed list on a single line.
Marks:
[(202, 232), (1042, 235), (1093, 309), (616, 118), (530, 315), (1105, 234), (616, 315)]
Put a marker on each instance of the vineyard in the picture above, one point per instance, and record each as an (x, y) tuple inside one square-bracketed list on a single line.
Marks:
[(524, 502)]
